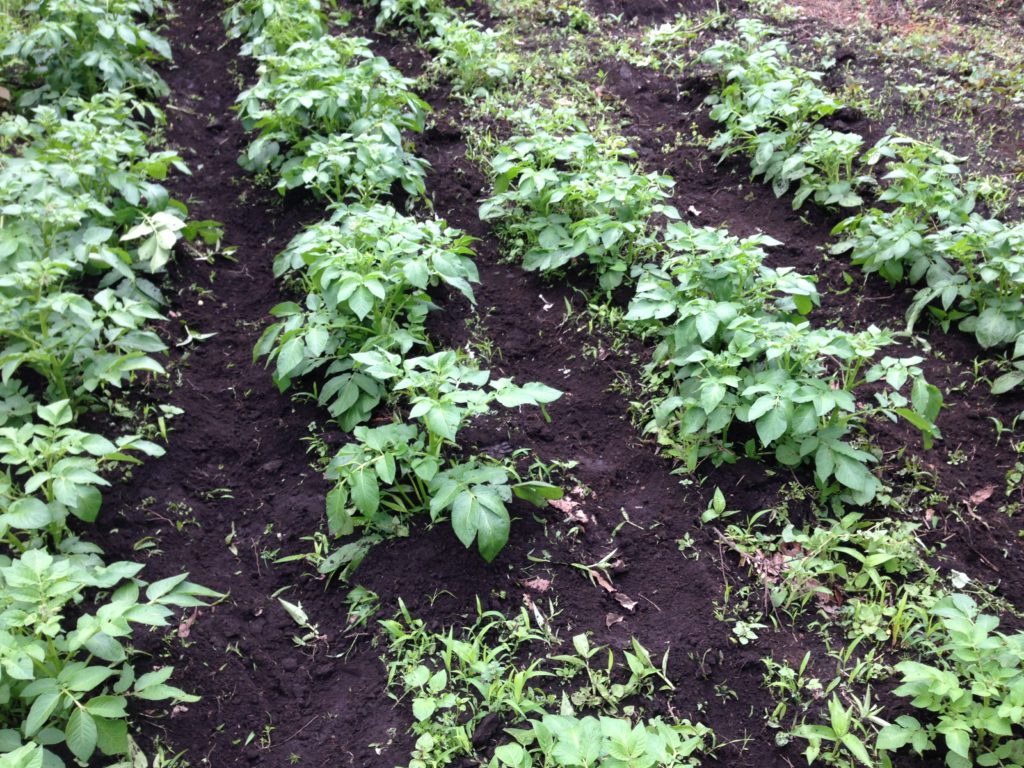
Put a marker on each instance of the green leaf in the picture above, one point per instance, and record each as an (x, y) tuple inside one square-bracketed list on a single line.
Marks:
[(771, 426), (40, 712), (81, 734), (493, 526), (531, 393), (1006, 382), (88, 678), (959, 743), (316, 341), (537, 493), (464, 517), (27, 514), (160, 588), (338, 520), (422, 709), (89, 502), (857, 748), (290, 357), (107, 706), (365, 490), (994, 329)]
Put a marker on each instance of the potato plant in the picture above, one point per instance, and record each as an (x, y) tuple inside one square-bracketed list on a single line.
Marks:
[(365, 275), (65, 673), (735, 348), (770, 112), (971, 693), (418, 467), (562, 198), (86, 47), (53, 471), (317, 90)]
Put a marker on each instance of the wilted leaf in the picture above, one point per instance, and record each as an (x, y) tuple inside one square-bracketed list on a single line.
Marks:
[(538, 584), (982, 494), (625, 601)]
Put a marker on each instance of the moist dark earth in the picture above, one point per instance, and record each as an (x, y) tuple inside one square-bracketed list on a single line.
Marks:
[(266, 701)]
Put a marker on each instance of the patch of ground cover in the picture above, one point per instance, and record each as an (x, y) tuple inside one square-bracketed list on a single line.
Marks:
[(946, 72)]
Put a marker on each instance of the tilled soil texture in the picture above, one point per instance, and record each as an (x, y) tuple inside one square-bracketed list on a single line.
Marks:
[(238, 461)]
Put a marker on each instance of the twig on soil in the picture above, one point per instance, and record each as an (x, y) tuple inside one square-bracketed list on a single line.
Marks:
[(644, 597), (315, 718)]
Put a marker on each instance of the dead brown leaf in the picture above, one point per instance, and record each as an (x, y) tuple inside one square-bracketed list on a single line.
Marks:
[(185, 627), (601, 580), (538, 584), (612, 619), (982, 494), (625, 601), (571, 509)]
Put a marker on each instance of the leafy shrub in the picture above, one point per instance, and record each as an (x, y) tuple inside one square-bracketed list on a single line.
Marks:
[(971, 267), (444, 392), (71, 685), (603, 742), (85, 189), (320, 88), (562, 198), (363, 165), (53, 470), (272, 26), (458, 677), (771, 111), (466, 53), (734, 348), (973, 692), (85, 47), (418, 14), (365, 275)]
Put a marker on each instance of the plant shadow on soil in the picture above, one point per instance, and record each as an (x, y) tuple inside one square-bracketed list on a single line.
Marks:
[(266, 700)]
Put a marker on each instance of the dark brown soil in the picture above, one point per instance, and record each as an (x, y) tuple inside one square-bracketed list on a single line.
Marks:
[(327, 706)]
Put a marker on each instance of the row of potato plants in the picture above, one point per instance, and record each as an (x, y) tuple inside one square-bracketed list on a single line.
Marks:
[(923, 230), (733, 343), (691, 274), (328, 116), (448, 702), (88, 230)]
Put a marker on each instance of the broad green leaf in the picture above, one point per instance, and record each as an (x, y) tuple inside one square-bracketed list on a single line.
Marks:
[(88, 678), (537, 493), (27, 514), (39, 713), (81, 734), (422, 709), (771, 426), (492, 526), (365, 490), (107, 706)]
